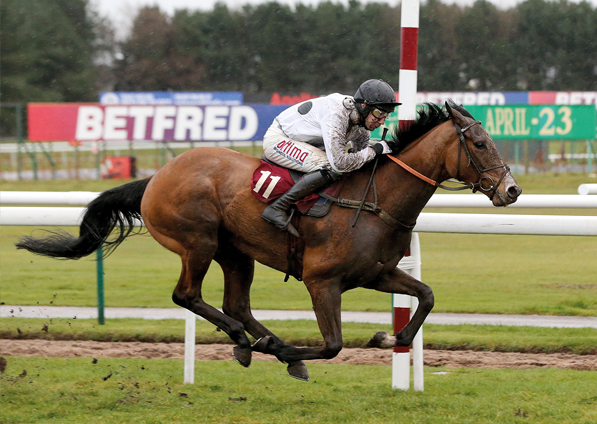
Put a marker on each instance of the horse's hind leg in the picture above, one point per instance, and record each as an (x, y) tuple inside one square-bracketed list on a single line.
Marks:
[(238, 271), (188, 295), (400, 282)]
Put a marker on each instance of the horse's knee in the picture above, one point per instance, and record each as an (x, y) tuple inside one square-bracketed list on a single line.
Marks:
[(331, 350)]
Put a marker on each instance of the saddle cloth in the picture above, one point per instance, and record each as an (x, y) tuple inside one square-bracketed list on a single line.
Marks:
[(270, 181)]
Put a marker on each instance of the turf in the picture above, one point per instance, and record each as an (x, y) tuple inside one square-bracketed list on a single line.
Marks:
[(54, 390)]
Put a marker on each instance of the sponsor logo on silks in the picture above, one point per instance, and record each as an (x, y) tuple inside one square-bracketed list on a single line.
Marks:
[(292, 152)]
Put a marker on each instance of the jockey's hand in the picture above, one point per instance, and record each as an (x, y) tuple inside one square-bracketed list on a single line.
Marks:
[(382, 148)]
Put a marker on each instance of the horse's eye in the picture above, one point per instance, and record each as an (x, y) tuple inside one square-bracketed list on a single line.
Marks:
[(479, 145)]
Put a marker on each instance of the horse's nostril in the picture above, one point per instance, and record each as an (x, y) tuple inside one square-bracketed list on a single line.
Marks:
[(514, 191)]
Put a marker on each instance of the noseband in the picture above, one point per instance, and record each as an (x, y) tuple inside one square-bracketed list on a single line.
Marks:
[(492, 189)]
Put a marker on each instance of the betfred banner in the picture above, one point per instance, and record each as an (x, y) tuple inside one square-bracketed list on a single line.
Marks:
[(92, 122)]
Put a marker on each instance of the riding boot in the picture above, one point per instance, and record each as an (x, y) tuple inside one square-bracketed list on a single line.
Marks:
[(277, 212)]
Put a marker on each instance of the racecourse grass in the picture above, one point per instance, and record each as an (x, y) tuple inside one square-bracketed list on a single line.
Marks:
[(306, 333), (468, 273), (112, 390)]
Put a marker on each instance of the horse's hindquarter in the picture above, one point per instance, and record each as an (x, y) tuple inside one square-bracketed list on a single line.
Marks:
[(204, 197), (186, 199)]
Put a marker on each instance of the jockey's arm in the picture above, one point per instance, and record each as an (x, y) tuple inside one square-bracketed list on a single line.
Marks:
[(334, 132)]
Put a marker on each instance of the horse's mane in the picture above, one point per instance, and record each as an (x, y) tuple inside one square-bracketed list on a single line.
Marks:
[(428, 117)]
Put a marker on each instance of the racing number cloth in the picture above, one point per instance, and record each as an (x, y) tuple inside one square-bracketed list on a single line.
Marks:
[(270, 182)]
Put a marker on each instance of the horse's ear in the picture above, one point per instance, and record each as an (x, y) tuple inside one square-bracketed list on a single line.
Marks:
[(455, 116), (448, 108)]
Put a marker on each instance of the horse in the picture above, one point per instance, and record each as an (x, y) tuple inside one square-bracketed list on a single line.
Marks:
[(200, 206)]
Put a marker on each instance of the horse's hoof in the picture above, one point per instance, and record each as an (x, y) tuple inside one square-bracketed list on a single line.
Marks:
[(242, 355), (261, 344), (298, 370), (382, 339)]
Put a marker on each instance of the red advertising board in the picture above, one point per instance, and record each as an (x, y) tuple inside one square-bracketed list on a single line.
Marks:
[(52, 121), (562, 97), (92, 121)]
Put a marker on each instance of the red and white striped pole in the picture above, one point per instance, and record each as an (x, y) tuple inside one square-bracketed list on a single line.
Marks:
[(402, 312), (409, 38), (402, 304)]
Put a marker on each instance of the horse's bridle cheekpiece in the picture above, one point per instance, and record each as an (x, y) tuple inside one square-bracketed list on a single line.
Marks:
[(492, 189), (479, 184)]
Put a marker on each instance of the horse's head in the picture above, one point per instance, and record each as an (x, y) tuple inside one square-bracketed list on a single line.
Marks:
[(477, 162)]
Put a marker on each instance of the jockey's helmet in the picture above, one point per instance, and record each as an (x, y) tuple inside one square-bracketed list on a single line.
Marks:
[(375, 94)]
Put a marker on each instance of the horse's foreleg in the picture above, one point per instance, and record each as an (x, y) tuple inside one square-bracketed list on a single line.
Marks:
[(238, 276), (400, 282)]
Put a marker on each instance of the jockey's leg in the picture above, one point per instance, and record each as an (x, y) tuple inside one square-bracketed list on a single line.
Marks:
[(277, 212), (302, 157)]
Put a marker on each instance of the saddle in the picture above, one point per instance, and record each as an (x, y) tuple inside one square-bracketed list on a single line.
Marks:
[(270, 181)]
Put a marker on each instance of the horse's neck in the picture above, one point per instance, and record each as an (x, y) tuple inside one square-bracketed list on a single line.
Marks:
[(405, 195)]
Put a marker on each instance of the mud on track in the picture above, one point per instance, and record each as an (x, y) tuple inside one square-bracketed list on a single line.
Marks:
[(223, 352)]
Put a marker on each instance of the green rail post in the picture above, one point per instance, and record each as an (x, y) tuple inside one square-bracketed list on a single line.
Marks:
[(100, 286), (517, 153), (98, 162), (21, 142), (50, 159)]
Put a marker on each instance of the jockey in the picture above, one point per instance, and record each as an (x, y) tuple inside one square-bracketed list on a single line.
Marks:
[(313, 137)]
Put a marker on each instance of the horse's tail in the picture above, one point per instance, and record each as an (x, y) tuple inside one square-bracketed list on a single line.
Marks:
[(118, 207)]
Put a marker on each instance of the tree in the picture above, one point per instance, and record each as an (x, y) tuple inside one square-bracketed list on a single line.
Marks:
[(145, 64), (482, 48), (438, 58), (47, 55)]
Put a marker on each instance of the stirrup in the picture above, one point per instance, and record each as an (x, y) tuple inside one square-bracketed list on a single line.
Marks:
[(283, 225), (289, 227)]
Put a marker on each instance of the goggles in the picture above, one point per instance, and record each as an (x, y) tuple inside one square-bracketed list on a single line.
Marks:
[(378, 114)]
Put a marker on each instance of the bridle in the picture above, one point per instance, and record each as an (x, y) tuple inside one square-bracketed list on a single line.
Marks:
[(462, 145)]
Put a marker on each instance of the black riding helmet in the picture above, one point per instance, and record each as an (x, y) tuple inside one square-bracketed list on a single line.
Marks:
[(375, 93)]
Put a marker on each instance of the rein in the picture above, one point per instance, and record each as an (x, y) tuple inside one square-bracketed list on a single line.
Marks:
[(471, 160)]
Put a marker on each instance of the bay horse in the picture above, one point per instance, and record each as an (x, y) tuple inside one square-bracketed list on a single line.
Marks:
[(200, 206)]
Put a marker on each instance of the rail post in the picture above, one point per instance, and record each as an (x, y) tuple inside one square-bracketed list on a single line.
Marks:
[(99, 253), (189, 347), (409, 38)]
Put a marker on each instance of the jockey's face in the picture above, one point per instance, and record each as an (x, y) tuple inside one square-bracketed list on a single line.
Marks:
[(372, 122)]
